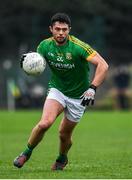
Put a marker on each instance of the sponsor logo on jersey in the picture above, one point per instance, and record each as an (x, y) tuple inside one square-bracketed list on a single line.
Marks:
[(59, 58), (61, 66)]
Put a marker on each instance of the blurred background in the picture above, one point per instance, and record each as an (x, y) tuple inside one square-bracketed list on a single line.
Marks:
[(105, 25)]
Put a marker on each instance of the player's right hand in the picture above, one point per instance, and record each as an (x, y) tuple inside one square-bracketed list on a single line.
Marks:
[(22, 59)]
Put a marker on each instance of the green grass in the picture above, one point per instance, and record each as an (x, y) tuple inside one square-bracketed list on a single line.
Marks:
[(102, 147)]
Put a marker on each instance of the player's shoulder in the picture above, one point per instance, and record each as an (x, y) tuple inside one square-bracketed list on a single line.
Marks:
[(74, 39), (46, 41), (44, 44), (78, 42)]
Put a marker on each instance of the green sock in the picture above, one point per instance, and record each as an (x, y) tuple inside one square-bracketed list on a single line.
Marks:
[(61, 158), (28, 150)]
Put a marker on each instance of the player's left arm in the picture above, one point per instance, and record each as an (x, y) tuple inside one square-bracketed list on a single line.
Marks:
[(101, 69), (99, 76)]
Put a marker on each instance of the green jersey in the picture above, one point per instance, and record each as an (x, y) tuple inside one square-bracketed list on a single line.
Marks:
[(69, 65)]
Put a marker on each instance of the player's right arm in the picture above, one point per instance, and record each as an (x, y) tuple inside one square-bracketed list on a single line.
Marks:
[(40, 48)]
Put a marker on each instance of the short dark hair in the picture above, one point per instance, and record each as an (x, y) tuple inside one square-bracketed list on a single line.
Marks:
[(61, 17)]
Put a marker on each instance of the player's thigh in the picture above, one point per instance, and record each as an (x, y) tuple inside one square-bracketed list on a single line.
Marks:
[(52, 108), (67, 126)]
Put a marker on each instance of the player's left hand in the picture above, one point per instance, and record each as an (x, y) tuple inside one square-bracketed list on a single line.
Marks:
[(88, 96)]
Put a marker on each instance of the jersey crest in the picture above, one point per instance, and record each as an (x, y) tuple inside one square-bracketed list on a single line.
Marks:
[(68, 56)]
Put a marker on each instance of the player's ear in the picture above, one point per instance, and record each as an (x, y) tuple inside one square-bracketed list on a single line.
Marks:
[(69, 28), (51, 29)]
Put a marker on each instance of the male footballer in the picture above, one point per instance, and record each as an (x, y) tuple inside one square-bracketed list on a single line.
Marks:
[(70, 89)]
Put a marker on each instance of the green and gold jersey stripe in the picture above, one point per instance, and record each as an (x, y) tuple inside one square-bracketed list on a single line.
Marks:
[(91, 56), (81, 44)]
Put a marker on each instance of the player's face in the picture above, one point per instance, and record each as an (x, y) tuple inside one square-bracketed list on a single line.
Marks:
[(60, 32)]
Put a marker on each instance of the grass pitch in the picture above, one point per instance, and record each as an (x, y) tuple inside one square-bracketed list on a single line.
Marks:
[(102, 147)]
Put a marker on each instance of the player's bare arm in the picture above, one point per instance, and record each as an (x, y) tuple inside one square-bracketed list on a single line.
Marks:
[(100, 74), (101, 69)]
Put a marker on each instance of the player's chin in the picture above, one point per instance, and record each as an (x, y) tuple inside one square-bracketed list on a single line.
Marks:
[(61, 40)]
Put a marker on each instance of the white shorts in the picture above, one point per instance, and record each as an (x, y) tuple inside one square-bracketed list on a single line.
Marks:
[(72, 107)]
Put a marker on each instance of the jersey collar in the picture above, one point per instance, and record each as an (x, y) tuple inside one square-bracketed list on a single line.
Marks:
[(62, 46)]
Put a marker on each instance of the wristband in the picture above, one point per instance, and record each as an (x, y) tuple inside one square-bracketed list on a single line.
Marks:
[(93, 87)]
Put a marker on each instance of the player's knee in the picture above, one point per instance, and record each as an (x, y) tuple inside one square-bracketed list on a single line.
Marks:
[(44, 126)]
